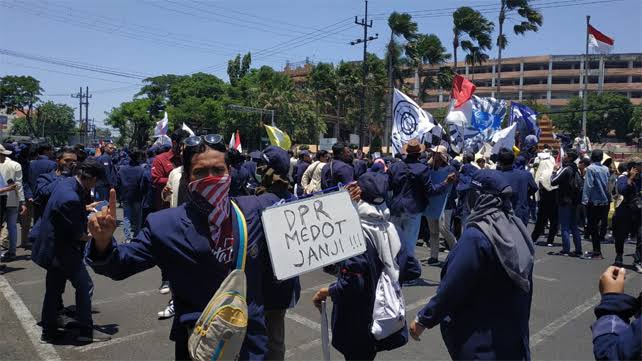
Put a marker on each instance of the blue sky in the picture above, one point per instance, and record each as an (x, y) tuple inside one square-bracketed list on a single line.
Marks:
[(152, 37)]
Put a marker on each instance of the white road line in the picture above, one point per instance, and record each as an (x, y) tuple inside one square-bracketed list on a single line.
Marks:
[(317, 287), (304, 347), (548, 279), (556, 325), (540, 260), (45, 351), (115, 341), (125, 297), (303, 320), (29, 283)]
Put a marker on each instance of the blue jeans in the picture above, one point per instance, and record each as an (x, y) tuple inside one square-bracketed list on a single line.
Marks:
[(568, 222), (11, 214), (56, 278), (407, 226), (132, 218)]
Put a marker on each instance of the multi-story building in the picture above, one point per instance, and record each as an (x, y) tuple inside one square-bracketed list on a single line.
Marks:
[(549, 79)]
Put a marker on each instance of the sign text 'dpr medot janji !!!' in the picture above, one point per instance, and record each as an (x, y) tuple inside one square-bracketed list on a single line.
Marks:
[(311, 233)]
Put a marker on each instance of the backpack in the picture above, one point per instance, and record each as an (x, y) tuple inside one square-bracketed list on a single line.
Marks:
[(220, 330), (575, 186), (389, 311)]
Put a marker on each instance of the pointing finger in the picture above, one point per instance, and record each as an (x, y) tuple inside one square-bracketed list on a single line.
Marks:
[(112, 203)]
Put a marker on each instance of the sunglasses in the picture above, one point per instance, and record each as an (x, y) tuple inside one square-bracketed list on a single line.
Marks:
[(215, 141)]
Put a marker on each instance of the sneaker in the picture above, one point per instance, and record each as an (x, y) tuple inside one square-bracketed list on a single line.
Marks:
[(92, 336), (638, 267), (549, 245), (561, 253), (7, 257), (578, 254), (168, 311), (51, 336), (164, 288), (2, 267), (618, 261), (593, 256), (433, 261)]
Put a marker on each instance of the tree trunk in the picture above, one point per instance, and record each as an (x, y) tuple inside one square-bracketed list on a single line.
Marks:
[(388, 120), (499, 55), (455, 46)]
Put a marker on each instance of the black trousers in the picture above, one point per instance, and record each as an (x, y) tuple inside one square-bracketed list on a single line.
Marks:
[(597, 219), (547, 212), (626, 222)]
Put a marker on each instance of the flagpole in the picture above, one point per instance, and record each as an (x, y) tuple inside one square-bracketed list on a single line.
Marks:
[(586, 78)]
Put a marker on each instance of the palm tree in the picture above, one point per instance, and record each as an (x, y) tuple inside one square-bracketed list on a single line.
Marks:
[(470, 22), (425, 49), (475, 57), (401, 25), (531, 21)]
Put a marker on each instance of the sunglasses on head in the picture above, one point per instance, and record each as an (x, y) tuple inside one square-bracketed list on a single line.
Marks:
[(215, 141)]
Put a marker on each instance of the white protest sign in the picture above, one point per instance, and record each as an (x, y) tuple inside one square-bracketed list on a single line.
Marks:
[(308, 234)]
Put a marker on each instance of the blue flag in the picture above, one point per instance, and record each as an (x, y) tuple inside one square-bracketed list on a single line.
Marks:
[(526, 119)]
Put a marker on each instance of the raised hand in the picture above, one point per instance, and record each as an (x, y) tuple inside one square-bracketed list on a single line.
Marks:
[(102, 225)]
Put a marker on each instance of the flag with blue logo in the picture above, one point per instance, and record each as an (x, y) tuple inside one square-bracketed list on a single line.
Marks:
[(526, 119), (471, 127), (488, 114)]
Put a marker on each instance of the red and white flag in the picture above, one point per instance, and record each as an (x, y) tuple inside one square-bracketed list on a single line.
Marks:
[(462, 90), (599, 42), (461, 109), (235, 142)]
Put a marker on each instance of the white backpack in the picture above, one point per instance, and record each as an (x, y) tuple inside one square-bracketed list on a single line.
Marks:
[(389, 311)]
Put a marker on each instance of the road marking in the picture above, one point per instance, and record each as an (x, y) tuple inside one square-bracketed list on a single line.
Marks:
[(540, 260), (545, 278), (114, 341), (29, 283), (45, 351), (317, 287), (303, 320), (304, 347), (556, 325), (125, 297)]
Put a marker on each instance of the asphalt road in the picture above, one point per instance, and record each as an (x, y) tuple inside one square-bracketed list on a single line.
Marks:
[(565, 294)]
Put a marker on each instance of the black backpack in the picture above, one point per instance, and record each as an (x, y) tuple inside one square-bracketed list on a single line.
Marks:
[(575, 186)]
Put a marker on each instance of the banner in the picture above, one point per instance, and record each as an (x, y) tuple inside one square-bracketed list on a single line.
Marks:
[(311, 233), (409, 122), (161, 126)]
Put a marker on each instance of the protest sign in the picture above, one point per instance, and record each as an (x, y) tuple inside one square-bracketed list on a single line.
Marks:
[(308, 234)]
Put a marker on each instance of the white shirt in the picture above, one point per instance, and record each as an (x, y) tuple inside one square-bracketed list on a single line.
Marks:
[(173, 181), (12, 170)]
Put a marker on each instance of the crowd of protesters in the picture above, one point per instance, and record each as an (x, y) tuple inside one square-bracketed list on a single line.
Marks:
[(177, 202)]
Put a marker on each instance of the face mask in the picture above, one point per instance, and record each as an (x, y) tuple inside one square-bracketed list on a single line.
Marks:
[(67, 170), (214, 190)]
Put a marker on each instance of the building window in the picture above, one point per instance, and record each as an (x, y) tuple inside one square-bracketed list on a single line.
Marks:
[(615, 79), (636, 95), (563, 95), (535, 66), (616, 64), (563, 65), (636, 79)]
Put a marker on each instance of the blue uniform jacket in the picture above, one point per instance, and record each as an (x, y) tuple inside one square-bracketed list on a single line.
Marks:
[(411, 187), (278, 295), (132, 184), (337, 172), (111, 173), (630, 192), (38, 167), (301, 166), (614, 338), (148, 197), (57, 234), (483, 313), (360, 167), (524, 187), (177, 241), (250, 168), (240, 177), (353, 296)]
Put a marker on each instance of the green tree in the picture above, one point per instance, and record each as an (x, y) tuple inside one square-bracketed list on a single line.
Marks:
[(158, 90), (531, 20), (237, 68), (605, 112), (475, 57), (52, 121), (20, 93), (133, 121), (401, 26), (426, 50), (471, 23), (636, 121)]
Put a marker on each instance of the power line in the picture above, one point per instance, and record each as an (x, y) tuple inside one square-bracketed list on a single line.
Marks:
[(66, 73)]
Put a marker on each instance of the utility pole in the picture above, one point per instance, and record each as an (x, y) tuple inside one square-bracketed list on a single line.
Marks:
[(362, 116), (586, 79), (83, 124)]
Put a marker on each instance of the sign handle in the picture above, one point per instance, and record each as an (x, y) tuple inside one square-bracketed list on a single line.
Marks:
[(325, 338)]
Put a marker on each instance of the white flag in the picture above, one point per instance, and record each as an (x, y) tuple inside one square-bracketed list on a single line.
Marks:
[(504, 138), (187, 129), (161, 126), (409, 122)]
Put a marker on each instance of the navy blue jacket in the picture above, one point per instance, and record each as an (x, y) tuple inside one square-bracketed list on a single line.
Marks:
[(38, 167), (411, 187), (178, 241), (614, 338), (250, 168), (278, 295), (57, 234), (337, 172), (148, 197), (26, 186), (524, 187), (483, 313), (111, 173), (301, 166), (353, 296), (240, 177), (360, 167), (132, 184), (630, 192), (45, 185)]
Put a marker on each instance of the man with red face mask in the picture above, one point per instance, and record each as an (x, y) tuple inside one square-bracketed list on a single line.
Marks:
[(194, 239)]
